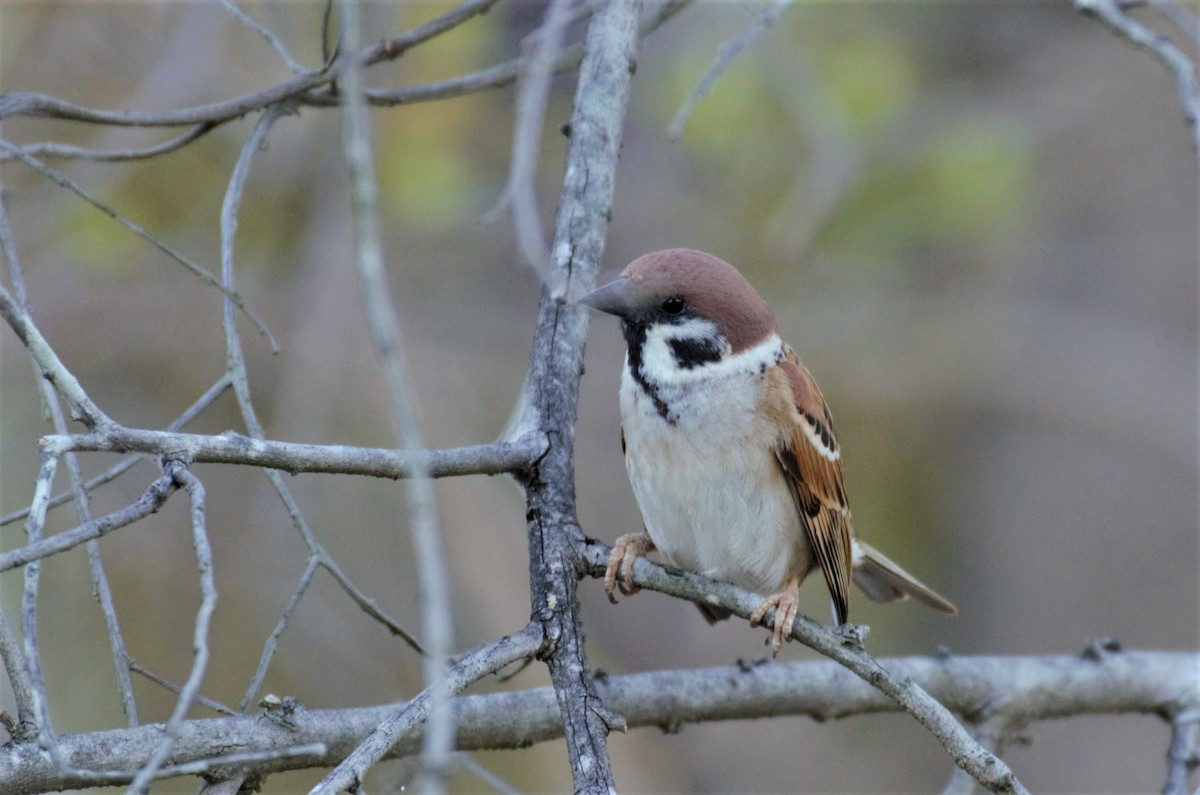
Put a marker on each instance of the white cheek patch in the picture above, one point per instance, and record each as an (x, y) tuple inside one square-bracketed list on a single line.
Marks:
[(661, 367), (658, 358)]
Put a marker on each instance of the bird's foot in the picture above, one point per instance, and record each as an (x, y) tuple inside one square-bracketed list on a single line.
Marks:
[(619, 573), (786, 603)]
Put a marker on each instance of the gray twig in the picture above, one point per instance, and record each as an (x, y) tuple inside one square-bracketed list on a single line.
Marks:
[(23, 103), (18, 680), (411, 716), (38, 548), (1177, 63), (254, 25), (80, 404), (208, 603), (62, 180), (66, 151), (233, 448), (272, 642), (726, 55), (384, 326), (1184, 754), (520, 191), (50, 399), (111, 474), (167, 684)]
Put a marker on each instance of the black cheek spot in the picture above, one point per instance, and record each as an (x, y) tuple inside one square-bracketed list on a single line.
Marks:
[(691, 352)]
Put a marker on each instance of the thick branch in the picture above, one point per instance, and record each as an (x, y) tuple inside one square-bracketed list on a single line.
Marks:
[(234, 448), (843, 646), (1036, 688), (552, 394)]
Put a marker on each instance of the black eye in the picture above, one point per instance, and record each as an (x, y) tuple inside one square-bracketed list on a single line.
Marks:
[(673, 305)]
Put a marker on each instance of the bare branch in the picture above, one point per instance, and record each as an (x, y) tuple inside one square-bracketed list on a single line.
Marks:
[(236, 371), (20, 103), (82, 407), (843, 646), (167, 684), (277, 45), (1184, 754), (207, 278), (65, 151), (729, 52), (50, 400), (520, 191), (18, 681), (384, 326), (111, 474), (473, 667), (552, 383), (153, 499), (1046, 688), (234, 448), (1177, 63), (208, 603), (272, 641)]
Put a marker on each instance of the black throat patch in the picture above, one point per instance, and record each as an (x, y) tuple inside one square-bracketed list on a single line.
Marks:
[(635, 341)]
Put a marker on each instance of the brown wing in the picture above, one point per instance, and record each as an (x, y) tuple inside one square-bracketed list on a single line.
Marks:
[(811, 459)]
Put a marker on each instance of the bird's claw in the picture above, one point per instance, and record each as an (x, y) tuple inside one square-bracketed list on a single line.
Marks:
[(786, 604), (618, 575)]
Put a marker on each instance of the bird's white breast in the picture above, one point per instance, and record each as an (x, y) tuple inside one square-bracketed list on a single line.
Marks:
[(711, 492)]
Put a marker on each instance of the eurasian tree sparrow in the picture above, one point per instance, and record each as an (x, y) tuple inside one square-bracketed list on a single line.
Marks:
[(730, 447)]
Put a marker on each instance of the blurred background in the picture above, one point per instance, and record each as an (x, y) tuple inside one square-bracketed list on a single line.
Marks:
[(977, 226)]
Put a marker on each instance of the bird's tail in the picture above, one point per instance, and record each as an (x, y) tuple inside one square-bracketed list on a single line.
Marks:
[(884, 581)]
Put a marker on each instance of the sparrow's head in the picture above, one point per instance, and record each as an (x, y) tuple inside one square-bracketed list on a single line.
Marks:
[(696, 302)]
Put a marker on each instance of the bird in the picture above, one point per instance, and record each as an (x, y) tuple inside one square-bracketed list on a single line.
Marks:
[(730, 447)]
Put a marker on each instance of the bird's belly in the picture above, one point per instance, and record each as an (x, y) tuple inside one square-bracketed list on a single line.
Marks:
[(715, 502)]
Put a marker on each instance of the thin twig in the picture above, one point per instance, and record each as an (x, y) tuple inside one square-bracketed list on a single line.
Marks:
[(167, 684), (18, 682), (81, 405), (1177, 63), (22, 103), (272, 641), (100, 587), (38, 548), (68, 152), (474, 666), (384, 326), (1184, 754), (34, 527), (236, 371), (50, 400), (208, 603), (486, 776), (111, 474), (520, 191), (62, 180), (253, 24), (728, 52)]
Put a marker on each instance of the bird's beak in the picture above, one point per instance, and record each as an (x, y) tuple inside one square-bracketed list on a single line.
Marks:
[(616, 298)]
